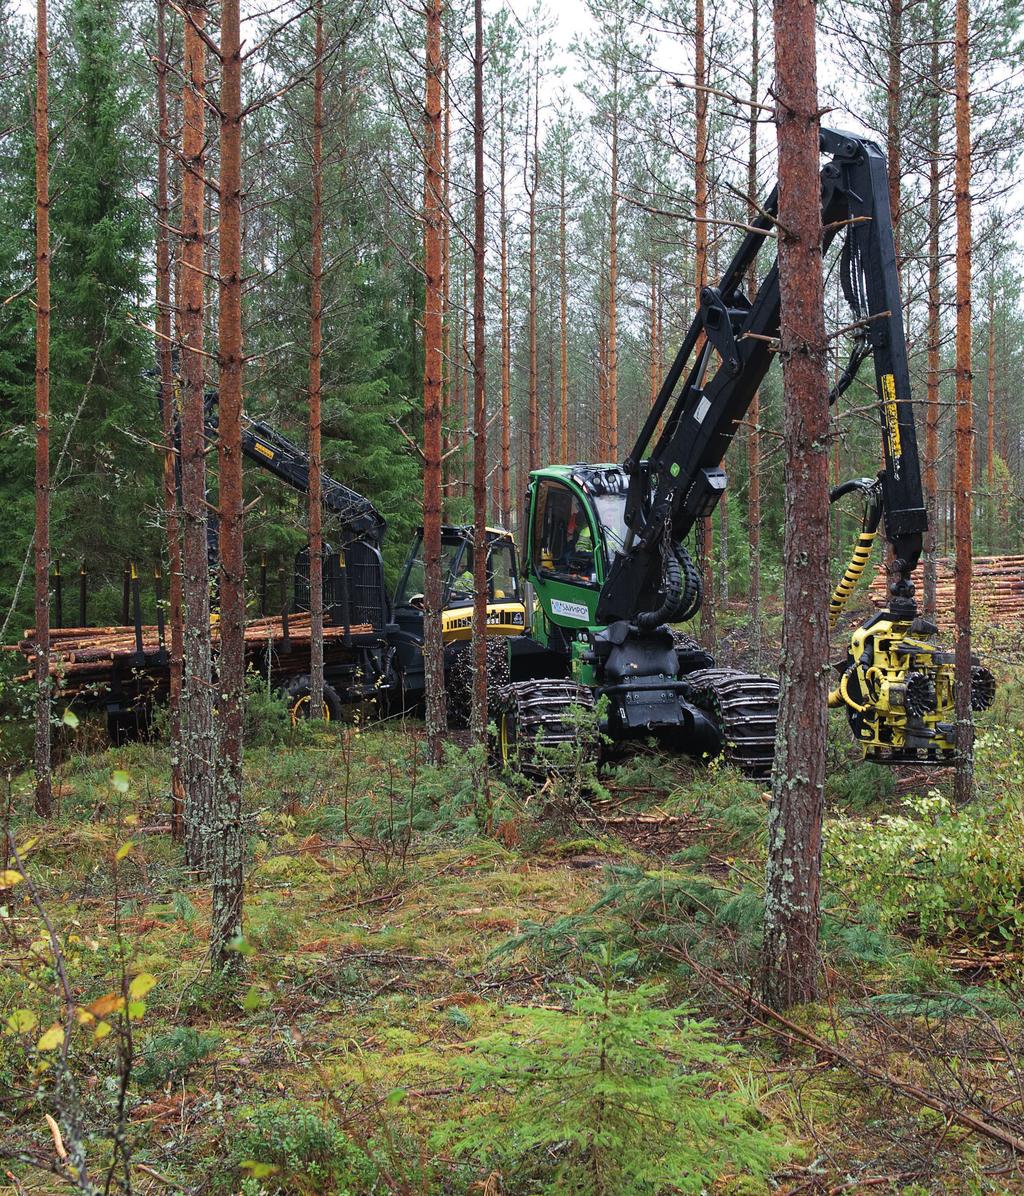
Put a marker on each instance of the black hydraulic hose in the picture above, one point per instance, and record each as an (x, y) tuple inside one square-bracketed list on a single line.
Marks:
[(672, 587)]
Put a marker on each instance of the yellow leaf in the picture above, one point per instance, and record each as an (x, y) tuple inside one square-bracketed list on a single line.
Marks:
[(22, 1021), (58, 1141), (109, 1003), (9, 878), (27, 846), (136, 1009), (52, 1039), (141, 985), (120, 780), (83, 1016), (123, 850), (101, 1031), (69, 718)]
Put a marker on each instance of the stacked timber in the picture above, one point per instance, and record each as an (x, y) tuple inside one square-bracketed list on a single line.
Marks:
[(89, 656), (997, 589)]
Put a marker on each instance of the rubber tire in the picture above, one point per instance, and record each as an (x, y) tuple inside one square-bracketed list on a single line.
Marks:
[(298, 687)]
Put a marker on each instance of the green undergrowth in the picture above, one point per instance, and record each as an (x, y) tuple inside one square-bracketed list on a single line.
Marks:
[(422, 973)]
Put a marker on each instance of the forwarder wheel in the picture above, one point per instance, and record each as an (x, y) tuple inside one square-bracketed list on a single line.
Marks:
[(458, 679), (745, 708), (297, 694), (544, 727)]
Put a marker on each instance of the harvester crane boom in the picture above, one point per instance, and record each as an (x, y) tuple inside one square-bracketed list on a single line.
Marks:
[(680, 480)]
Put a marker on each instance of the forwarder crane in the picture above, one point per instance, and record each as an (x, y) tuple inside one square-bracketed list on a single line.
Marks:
[(605, 544), (354, 586)]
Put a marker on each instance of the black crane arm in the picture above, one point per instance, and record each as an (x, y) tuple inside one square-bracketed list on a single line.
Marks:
[(681, 480), (359, 519)]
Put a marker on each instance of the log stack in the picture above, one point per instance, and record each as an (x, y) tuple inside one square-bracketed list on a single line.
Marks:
[(997, 589), (89, 656)]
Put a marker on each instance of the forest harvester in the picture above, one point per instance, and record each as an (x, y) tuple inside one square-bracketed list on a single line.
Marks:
[(605, 545)]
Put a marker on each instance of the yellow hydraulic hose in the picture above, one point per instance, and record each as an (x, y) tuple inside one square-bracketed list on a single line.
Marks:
[(854, 571)]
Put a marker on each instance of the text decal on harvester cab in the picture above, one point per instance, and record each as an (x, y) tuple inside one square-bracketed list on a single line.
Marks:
[(570, 610)]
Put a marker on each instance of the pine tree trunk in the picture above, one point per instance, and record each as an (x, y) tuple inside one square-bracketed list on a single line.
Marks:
[(563, 316), (613, 278), (754, 415), (506, 334), (43, 767), (226, 858), (792, 915), (169, 419), (708, 628), (198, 750), (434, 221), (990, 429), (316, 269), (931, 442), (534, 181), (963, 787), (894, 99), (479, 718)]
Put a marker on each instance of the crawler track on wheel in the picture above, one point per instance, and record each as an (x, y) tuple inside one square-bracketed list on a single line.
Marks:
[(534, 718), (746, 708), (459, 679)]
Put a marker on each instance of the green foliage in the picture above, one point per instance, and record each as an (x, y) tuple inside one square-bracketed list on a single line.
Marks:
[(169, 1057), (615, 1095), (292, 1149), (267, 722), (937, 872)]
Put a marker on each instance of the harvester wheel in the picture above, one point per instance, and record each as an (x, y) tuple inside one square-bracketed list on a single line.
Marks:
[(690, 654), (458, 679), (745, 708), (297, 693), (542, 727)]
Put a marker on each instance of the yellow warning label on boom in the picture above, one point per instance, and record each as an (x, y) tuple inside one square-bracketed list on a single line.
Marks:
[(892, 416)]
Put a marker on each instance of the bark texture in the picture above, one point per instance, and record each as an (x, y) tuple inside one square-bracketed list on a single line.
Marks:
[(316, 543), (532, 182), (198, 746), (479, 717), (43, 769), (754, 416), (931, 440), (169, 418), (963, 787), (505, 505), (433, 348), (792, 913)]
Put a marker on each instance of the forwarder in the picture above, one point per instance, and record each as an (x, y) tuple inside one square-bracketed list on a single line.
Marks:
[(605, 545)]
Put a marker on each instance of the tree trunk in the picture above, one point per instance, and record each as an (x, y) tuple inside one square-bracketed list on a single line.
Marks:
[(708, 629), (613, 278), (754, 416), (434, 220), (794, 824), (316, 269), (990, 427), (931, 441), (43, 768), (894, 124), (169, 419), (563, 315), (963, 787), (533, 183), (479, 719), (226, 860), (506, 335), (198, 750)]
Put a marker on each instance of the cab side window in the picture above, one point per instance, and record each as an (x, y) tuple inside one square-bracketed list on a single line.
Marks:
[(563, 544)]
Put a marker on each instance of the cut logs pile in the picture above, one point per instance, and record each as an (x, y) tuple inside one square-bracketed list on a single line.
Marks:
[(83, 656), (997, 589)]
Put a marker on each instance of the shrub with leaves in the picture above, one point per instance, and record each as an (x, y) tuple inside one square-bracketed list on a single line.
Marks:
[(617, 1096), (289, 1148), (935, 871)]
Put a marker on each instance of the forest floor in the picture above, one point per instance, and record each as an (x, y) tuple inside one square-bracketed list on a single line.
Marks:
[(393, 923)]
